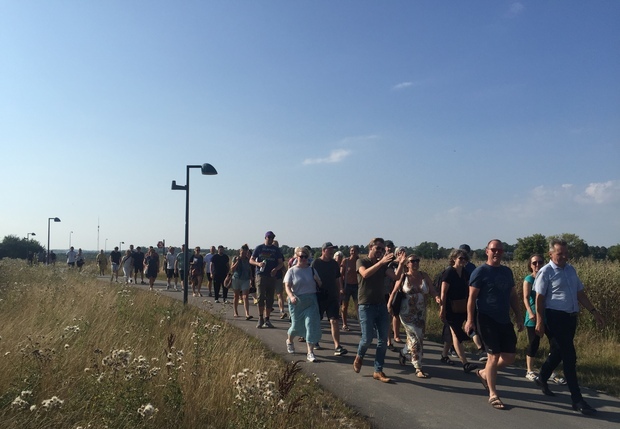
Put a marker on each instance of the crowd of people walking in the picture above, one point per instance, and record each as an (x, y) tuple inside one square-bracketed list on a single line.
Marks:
[(390, 293)]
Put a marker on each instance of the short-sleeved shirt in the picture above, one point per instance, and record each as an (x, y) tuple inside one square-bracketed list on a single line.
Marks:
[(243, 270), (329, 272), (220, 265), (459, 285), (270, 254), (208, 258), (138, 259), (170, 258), (181, 261), (371, 289), (115, 256), (197, 263), (495, 286), (530, 323), (300, 280), (559, 287)]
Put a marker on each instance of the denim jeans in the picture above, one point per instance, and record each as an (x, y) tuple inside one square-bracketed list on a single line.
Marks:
[(374, 320)]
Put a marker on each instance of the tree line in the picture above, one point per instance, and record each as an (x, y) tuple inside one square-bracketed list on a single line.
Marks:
[(19, 248)]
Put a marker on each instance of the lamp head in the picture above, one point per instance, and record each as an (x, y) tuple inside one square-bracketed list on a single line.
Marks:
[(208, 170)]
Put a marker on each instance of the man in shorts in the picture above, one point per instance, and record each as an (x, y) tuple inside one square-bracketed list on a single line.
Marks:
[(115, 262), (349, 274), (492, 292), (268, 260), (71, 257), (170, 260), (179, 264), (329, 298)]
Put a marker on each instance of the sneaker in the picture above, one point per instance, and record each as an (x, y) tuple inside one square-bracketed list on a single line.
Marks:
[(260, 324), (225, 302), (379, 375), (311, 357), (283, 316), (531, 375), (557, 379), (217, 301), (268, 324), (168, 287), (290, 347), (339, 351), (482, 356), (317, 346), (452, 352)]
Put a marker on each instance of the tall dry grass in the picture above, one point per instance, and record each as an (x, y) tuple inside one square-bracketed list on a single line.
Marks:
[(78, 352)]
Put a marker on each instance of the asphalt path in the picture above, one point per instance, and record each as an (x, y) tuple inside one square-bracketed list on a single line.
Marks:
[(448, 399)]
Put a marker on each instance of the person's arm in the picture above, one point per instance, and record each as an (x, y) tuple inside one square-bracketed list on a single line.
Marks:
[(585, 301), (540, 314), (431, 288), (471, 308), (316, 277), (398, 273), (445, 286), (527, 290), (278, 267), (514, 303)]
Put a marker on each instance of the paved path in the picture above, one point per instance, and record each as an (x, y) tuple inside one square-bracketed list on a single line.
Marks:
[(449, 399)]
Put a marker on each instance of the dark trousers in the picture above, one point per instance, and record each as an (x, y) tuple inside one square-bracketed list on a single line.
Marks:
[(218, 282), (561, 327)]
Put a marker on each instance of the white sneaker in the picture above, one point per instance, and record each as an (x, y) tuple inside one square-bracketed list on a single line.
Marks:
[(290, 347), (531, 376), (311, 357)]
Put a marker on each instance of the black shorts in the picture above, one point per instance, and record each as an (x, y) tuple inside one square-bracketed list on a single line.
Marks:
[(497, 337), (351, 291), (330, 307), (170, 273), (209, 277)]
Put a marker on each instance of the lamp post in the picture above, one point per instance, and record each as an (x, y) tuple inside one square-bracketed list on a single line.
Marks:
[(207, 170), (70, 233), (29, 234), (47, 262), (120, 245), (106, 246)]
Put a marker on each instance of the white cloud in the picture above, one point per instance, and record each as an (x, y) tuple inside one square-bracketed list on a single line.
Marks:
[(402, 85), (516, 9), (336, 155), (600, 193)]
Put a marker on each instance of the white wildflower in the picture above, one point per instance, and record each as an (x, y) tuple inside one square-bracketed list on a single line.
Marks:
[(147, 411), (19, 403), (53, 402)]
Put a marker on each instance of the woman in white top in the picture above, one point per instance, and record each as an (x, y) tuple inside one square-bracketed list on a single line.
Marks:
[(127, 264), (301, 282)]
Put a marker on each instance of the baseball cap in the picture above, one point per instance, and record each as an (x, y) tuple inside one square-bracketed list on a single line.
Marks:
[(328, 245), (465, 247), (269, 233)]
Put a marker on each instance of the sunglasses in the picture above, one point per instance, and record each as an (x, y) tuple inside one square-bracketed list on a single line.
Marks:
[(379, 249), (496, 250), (414, 260), (303, 256), (462, 258), (538, 262)]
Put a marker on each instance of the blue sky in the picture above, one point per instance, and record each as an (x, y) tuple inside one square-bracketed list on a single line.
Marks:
[(416, 121)]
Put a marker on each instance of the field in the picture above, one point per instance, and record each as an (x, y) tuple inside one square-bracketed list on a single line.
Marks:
[(76, 352)]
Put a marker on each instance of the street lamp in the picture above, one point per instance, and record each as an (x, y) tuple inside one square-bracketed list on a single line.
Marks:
[(29, 234), (207, 170), (106, 246), (48, 237), (120, 245), (70, 239)]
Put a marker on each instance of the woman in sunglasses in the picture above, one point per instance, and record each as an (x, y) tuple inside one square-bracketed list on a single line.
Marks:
[(415, 284), (301, 283), (535, 263)]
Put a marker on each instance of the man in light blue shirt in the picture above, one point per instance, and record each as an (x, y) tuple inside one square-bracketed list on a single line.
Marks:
[(559, 293)]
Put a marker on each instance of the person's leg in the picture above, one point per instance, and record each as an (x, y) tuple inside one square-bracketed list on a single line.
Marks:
[(382, 324), (269, 296), (415, 342), (366, 316), (261, 292), (396, 328), (236, 296), (216, 287), (246, 302), (532, 348), (344, 311)]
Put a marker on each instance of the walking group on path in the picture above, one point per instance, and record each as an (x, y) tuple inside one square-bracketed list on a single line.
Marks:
[(390, 292)]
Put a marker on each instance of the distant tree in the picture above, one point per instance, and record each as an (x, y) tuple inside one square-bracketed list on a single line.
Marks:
[(577, 248), (527, 246), (427, 250), (599, 253), (613, 253), (14, 247)]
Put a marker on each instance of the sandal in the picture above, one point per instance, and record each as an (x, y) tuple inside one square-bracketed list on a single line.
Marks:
[(249, 317), (446, 360), (420, 374), (398, 340), (496, 402), (346, 328), (482, 380), (469, 367)]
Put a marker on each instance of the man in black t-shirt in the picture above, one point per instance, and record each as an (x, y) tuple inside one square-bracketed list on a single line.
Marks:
[(220, 265), (115, 261)]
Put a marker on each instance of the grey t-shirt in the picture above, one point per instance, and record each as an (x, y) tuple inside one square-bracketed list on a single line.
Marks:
[(495, 285)]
